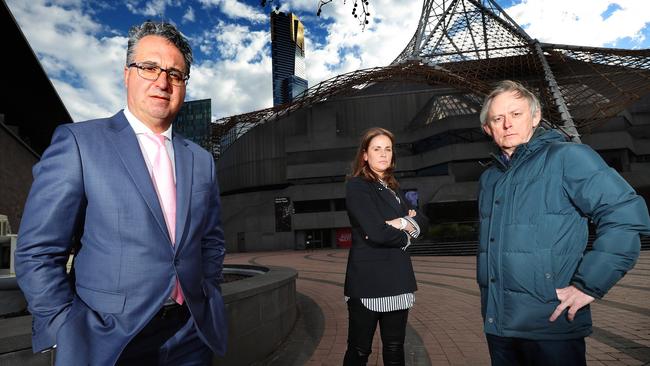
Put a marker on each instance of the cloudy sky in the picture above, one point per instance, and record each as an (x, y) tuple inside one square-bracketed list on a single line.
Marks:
[(81, 43)]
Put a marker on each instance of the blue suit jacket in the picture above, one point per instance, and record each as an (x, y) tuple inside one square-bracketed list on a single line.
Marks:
[(92, 183)]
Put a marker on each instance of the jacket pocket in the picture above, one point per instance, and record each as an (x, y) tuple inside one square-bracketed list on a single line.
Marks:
[(102, 301), (544, 277)]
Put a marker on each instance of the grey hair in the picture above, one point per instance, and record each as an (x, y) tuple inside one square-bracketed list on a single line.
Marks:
[(161, 29), (506, 86)]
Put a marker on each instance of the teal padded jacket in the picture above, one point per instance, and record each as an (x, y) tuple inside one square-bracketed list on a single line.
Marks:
[(534, 212)]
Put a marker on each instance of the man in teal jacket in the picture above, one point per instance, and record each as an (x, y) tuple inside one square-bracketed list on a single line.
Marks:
[(536, 279)]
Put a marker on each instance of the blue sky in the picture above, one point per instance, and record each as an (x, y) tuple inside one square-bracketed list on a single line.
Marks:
[(81, 43)]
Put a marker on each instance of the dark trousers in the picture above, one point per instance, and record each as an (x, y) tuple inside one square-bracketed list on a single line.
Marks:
[(506, 351), (170, 338), (361, 329)]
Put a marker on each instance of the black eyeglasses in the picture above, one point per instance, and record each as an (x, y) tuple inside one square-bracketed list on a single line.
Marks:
[(151, 72)]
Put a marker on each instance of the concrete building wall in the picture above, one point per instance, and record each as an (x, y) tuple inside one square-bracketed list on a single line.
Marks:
[(305, 157), (249, 218), (16, 161)]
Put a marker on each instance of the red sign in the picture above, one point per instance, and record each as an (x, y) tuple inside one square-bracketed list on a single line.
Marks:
[(344, 237)]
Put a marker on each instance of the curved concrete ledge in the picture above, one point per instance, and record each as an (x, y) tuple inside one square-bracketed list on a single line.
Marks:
[(261, 312), (8, 282)]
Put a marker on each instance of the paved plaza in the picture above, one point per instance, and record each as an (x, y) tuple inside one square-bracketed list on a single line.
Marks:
[(445, 325)]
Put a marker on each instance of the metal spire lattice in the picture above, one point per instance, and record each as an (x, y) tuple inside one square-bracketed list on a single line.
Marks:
[(470, 44)]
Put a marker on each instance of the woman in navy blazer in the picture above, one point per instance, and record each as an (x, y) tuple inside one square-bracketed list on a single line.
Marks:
[(379, 281)]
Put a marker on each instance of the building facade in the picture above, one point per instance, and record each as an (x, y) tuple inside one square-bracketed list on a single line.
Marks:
[(282, 173), (304, 158)]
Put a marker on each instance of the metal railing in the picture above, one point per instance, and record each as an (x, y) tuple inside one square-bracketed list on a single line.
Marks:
[(466, 248)]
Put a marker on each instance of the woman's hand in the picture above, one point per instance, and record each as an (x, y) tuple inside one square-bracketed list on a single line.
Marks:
[(396, 223), (412, 213)]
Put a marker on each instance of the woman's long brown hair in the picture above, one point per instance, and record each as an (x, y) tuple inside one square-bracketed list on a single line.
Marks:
[(360, 167)]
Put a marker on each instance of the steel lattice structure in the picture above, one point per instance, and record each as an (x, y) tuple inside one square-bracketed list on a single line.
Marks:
[(470, 44)]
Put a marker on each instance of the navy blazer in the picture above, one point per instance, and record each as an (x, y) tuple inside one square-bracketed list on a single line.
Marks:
[(93, 182), (377, 264)]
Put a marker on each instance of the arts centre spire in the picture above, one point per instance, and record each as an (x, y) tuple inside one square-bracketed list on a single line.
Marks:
[(462, 30)]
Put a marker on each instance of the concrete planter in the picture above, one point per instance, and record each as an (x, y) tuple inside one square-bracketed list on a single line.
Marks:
[(261, 313)]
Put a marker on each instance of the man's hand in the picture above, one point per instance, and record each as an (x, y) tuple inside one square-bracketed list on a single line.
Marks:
[(572, 298), (412, 213)]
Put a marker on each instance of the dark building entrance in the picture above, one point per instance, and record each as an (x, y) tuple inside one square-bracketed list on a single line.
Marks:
[(319, 238)]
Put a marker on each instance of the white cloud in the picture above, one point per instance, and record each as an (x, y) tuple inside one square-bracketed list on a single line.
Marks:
[(234, 87), (189, 15), (239, 80), (80, 105), (237, 10), (150, 8), (581, 22), (67, 2)]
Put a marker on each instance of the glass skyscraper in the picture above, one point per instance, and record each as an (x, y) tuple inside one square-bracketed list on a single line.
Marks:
[(193, 122), (288, 52)]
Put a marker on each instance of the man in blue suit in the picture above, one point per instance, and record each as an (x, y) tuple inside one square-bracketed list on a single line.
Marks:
[(139, 205)]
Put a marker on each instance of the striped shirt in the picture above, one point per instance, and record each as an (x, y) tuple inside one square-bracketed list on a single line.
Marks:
[(388, 303), (411, 234)]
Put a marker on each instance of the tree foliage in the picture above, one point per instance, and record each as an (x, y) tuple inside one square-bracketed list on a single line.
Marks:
[(360, 9)]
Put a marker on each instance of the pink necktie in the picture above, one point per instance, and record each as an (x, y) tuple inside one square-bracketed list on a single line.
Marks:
[(163, 178)]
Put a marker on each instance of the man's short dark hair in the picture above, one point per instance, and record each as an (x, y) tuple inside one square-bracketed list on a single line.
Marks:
[(161, 29)]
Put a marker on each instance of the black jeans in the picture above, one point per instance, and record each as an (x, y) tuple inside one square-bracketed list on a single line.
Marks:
[(361, 329), (506, 351)]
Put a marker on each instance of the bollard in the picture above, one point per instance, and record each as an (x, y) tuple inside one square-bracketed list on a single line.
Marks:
[(12, 250)]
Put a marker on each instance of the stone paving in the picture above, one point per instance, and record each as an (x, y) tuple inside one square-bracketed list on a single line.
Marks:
[(445, 326)]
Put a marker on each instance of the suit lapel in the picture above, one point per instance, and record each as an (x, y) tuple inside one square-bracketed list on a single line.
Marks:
[(403, 203), (128, 149), (388, 197), (184, 161)]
